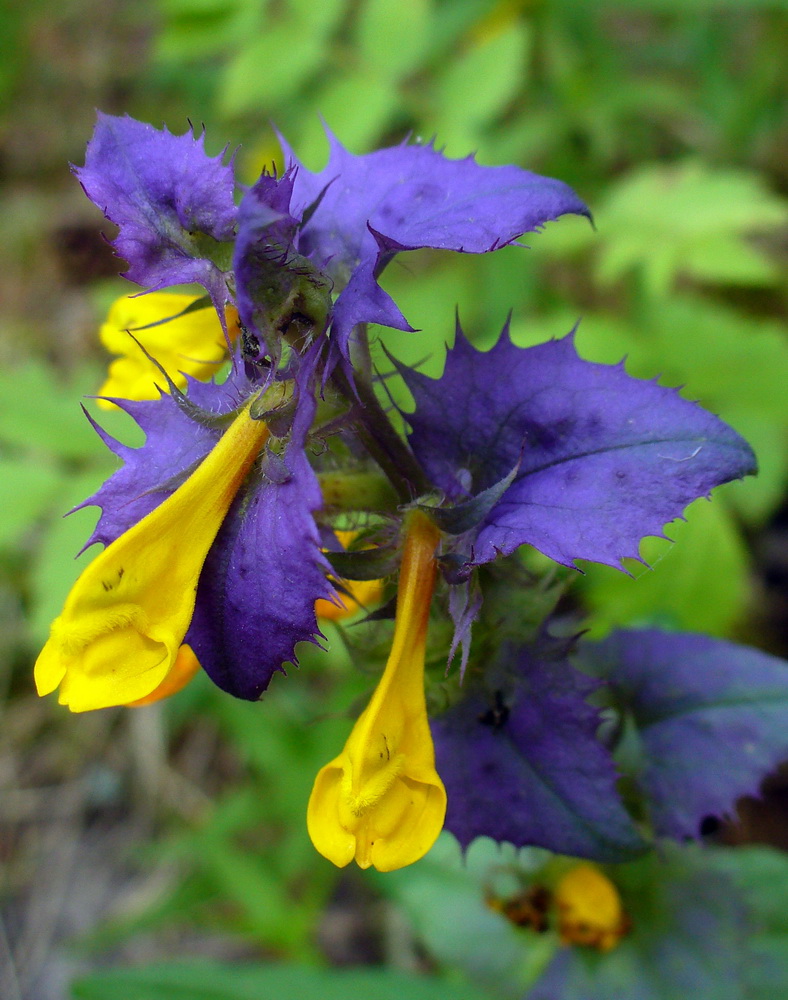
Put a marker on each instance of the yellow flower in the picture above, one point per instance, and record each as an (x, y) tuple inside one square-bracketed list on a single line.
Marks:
[(193, 344), (355, 593), (589, 909), (118, 636), (381, 800)]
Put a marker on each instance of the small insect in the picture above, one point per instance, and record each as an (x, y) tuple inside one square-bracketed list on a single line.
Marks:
[(497, 714), (250, 345)]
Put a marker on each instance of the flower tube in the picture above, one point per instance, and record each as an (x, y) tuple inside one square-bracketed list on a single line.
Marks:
[(381, 800), (125, 618)]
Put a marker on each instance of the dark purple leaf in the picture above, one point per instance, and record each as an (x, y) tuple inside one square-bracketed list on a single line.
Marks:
[(712, 716), (172, 203), (405, 197), (604, 459), (522, 764), (257, 591)]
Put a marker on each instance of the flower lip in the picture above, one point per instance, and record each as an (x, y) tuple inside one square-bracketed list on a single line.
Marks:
[(381, 800), (125, 618)]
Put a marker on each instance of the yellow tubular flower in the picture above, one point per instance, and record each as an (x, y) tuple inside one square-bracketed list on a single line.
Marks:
[(590, 912), (381, 800), (189, 345), (121, 627)]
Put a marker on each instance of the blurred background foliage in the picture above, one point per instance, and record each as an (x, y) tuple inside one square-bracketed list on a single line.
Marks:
[(178, 829)]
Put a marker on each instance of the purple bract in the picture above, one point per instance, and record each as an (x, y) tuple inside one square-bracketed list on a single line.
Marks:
[(602, 459)]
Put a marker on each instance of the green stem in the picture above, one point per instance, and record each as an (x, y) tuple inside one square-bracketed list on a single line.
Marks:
[(380, 439), (357, 491)]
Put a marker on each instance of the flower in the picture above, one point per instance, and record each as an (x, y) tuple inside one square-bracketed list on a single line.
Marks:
[(213, 529), (178, 222), (589, 909), (124, 621), (165, 333), (381, 800)]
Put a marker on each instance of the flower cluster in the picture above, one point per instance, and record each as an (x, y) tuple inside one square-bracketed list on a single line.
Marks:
[(225, 534)]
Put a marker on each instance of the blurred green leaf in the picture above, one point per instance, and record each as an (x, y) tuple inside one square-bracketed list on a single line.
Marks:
[(761, 875), (55, 566), (282, 46), (39, 413), (359, 123), (269, 68), (212, 981), (688, 219), (27, 489), (194, 29), (477, 84), (444, 898), (696, 931), (393, 35), (699, 582)]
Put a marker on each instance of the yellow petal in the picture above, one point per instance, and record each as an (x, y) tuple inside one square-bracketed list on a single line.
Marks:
[(183, 670), (590, 912), (381, 800), (118, 635), (189, 345)]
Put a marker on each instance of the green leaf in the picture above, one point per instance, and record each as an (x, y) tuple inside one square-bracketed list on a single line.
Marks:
[(55, 567), (444, 898), (359, 123), (700, 582), (761, 875), (688, 219), (27, 489), (392, 38), (477, 85), (196, 29), (269, 68), (213, 981), (39, 413)]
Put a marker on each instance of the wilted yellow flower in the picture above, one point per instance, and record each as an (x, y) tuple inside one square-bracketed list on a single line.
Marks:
[(193, 344), (589, 909), (122, 625), (381, 800)]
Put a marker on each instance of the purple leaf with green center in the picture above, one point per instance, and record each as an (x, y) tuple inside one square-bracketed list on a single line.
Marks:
[(692, 935), (524, 765), (712, 717), (172, 203), (604, 459), (404, 198)]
